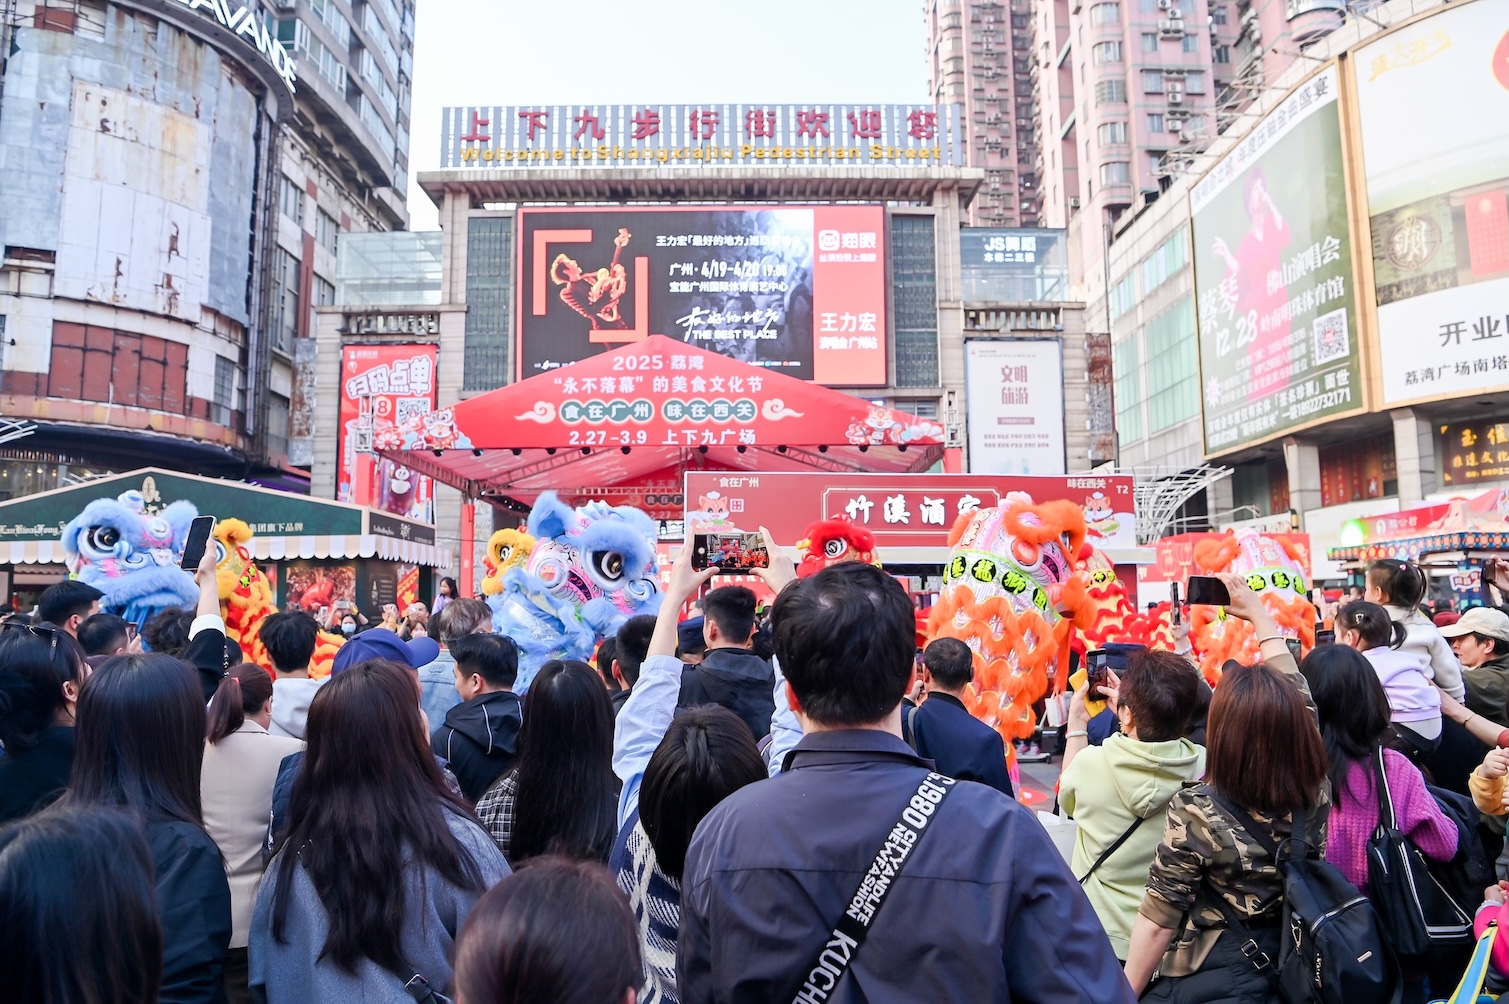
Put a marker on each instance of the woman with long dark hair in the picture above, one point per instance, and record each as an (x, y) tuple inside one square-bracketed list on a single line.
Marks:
[(558, 931), (561, 797), (141, 729), (241, 762), (1265, 768), (380, 863), (41, 672), (77, 920)]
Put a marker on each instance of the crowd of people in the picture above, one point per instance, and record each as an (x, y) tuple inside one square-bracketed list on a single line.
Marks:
[(718, 808)]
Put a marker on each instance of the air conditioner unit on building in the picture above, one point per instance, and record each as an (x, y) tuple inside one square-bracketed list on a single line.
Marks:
[(1073, 202), (1176, 14), (1165, 4), (1176, 97), (1174, 125), (1170, 28)]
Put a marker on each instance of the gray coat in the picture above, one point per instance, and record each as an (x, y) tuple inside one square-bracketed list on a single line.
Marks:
[(292, 972)]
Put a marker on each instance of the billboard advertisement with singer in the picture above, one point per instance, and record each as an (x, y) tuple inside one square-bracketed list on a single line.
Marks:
[(1438, 199), (1273, 276), (797, 289), (382, 387)]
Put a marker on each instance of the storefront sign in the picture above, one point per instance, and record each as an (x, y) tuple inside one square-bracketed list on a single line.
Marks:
[(251, 24), (1015, 396), (800, 290), (382, 387), (901, 510), (1474, 452), (1273, 276), (695, 135)]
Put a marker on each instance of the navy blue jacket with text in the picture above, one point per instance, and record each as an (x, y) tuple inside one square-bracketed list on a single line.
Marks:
[(984, 910)]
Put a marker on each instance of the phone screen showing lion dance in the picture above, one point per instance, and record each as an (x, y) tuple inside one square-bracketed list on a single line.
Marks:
[(729, 552)]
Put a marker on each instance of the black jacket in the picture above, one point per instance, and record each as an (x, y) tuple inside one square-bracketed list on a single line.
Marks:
[(480, 740), (32, 779), (960, 744), (737, 679), (984, 910), (210, 652), (194, 907)]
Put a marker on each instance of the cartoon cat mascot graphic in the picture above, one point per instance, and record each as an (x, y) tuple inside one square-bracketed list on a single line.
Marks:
[(246, 600), (132, 555), (590, 569)]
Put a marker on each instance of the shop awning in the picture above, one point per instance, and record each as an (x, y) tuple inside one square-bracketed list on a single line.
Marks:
[(1461, 525), (287, 526), (627, 415)]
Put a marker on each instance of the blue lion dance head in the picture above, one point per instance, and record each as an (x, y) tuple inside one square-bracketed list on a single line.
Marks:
[(592, 568), (131, 555)]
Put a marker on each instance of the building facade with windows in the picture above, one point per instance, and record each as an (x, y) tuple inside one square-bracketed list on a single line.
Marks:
[(179, 182)]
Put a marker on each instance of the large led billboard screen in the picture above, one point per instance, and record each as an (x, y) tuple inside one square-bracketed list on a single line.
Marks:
[(797, 289)]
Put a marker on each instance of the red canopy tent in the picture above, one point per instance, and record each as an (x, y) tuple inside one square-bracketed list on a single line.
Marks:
[(630, 422)]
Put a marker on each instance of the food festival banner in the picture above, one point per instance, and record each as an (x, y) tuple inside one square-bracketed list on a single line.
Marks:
[(512, 136), (798, 289), (1273, 276), (901, 510), (1015, 394), (1438, 199), (383, 387)]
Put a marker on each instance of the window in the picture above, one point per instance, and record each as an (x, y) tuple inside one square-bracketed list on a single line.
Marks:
[(284, 319), (332, 19), (1152, 81), (367, 112), (1172, 367), (489, 327), (1155, 162), (291, 200), (373, 75), (1194, 83), (324, 292), (225, 391), (1115, 172), (325, 230), (1149, 42), (1126, 369), (379, 36), (1111, 133), (1218, 15), (297, 38), (1105, 13), (1106, 52), (914, 269), (1169, 258), (277, 424), (1221, 54), (1195, 125), (920, 408), (1155, 122), (1147, 6), (1109, 92), (1191, 43), (1123, 295)]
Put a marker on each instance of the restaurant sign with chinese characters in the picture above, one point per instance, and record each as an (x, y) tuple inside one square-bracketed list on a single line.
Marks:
[(901, 510), (495, 136), (1475, 452)]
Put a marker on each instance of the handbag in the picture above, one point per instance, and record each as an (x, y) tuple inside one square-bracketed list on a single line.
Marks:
[(1415, 908), (420, 989)]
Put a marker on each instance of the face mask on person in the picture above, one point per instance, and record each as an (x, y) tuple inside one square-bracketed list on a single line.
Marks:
[(348, 629)]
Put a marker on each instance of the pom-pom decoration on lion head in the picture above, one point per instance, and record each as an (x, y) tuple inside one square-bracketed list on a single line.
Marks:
[(246, 600), (1011, 594), (1273, 570), (507, 549), (831, 541), (132, 555), (589, 570)]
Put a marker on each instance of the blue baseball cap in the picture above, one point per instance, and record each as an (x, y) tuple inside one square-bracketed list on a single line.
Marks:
[(689, 635), (380, 643)]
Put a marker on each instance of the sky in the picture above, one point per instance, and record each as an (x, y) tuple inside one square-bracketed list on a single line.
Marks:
[(609, 52)]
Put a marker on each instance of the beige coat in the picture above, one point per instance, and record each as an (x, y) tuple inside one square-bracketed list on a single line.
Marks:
[(236, 786)]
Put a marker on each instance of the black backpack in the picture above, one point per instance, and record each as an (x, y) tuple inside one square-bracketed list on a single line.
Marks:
[(1332, 948)]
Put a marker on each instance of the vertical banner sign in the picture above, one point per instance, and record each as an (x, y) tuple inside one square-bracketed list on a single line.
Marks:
[(1015, 394), (1438, 200), (796, 289), (1273, 276), (382, 387)]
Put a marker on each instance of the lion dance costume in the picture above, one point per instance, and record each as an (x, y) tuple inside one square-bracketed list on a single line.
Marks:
[(246, 600), (1272, 569), (132, 555), (1011, 594), (507, 549), (589, 570), (831, 541)]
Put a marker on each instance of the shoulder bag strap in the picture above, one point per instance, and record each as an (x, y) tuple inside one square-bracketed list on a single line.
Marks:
[(835, 958), (1385, 796), (908, 725), (1112, 849)]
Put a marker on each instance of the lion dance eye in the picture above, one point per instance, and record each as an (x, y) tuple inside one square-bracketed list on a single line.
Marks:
[(103, 538), (609, 564), (1026, 552), (836, 547), (505, 552)]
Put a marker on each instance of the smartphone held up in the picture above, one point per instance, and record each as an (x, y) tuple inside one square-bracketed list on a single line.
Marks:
[(729, 553), (1207, 590), (198, 539)]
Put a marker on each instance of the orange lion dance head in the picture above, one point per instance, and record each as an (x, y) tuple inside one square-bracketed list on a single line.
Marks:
[(1272, 568)]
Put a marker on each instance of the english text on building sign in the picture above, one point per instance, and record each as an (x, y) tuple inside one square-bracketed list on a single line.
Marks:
[(248, 21), (697, 135)]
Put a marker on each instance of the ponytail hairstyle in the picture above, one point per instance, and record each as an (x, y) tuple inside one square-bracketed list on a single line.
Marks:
[(1372, 624), (1401, 583), (243, 690)]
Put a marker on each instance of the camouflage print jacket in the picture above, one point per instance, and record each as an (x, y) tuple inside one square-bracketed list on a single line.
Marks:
[(1203, 853)]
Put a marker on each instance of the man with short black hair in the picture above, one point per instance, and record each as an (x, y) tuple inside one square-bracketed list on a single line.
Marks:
[(68, 604), (480, 737), (290, 640), (730, 674), (942, 729), (437, 680), (984, 910), (631, 649), (104, 635)]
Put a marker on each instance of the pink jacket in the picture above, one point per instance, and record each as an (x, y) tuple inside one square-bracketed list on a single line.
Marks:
[(1354, 817), (1495, 913)]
